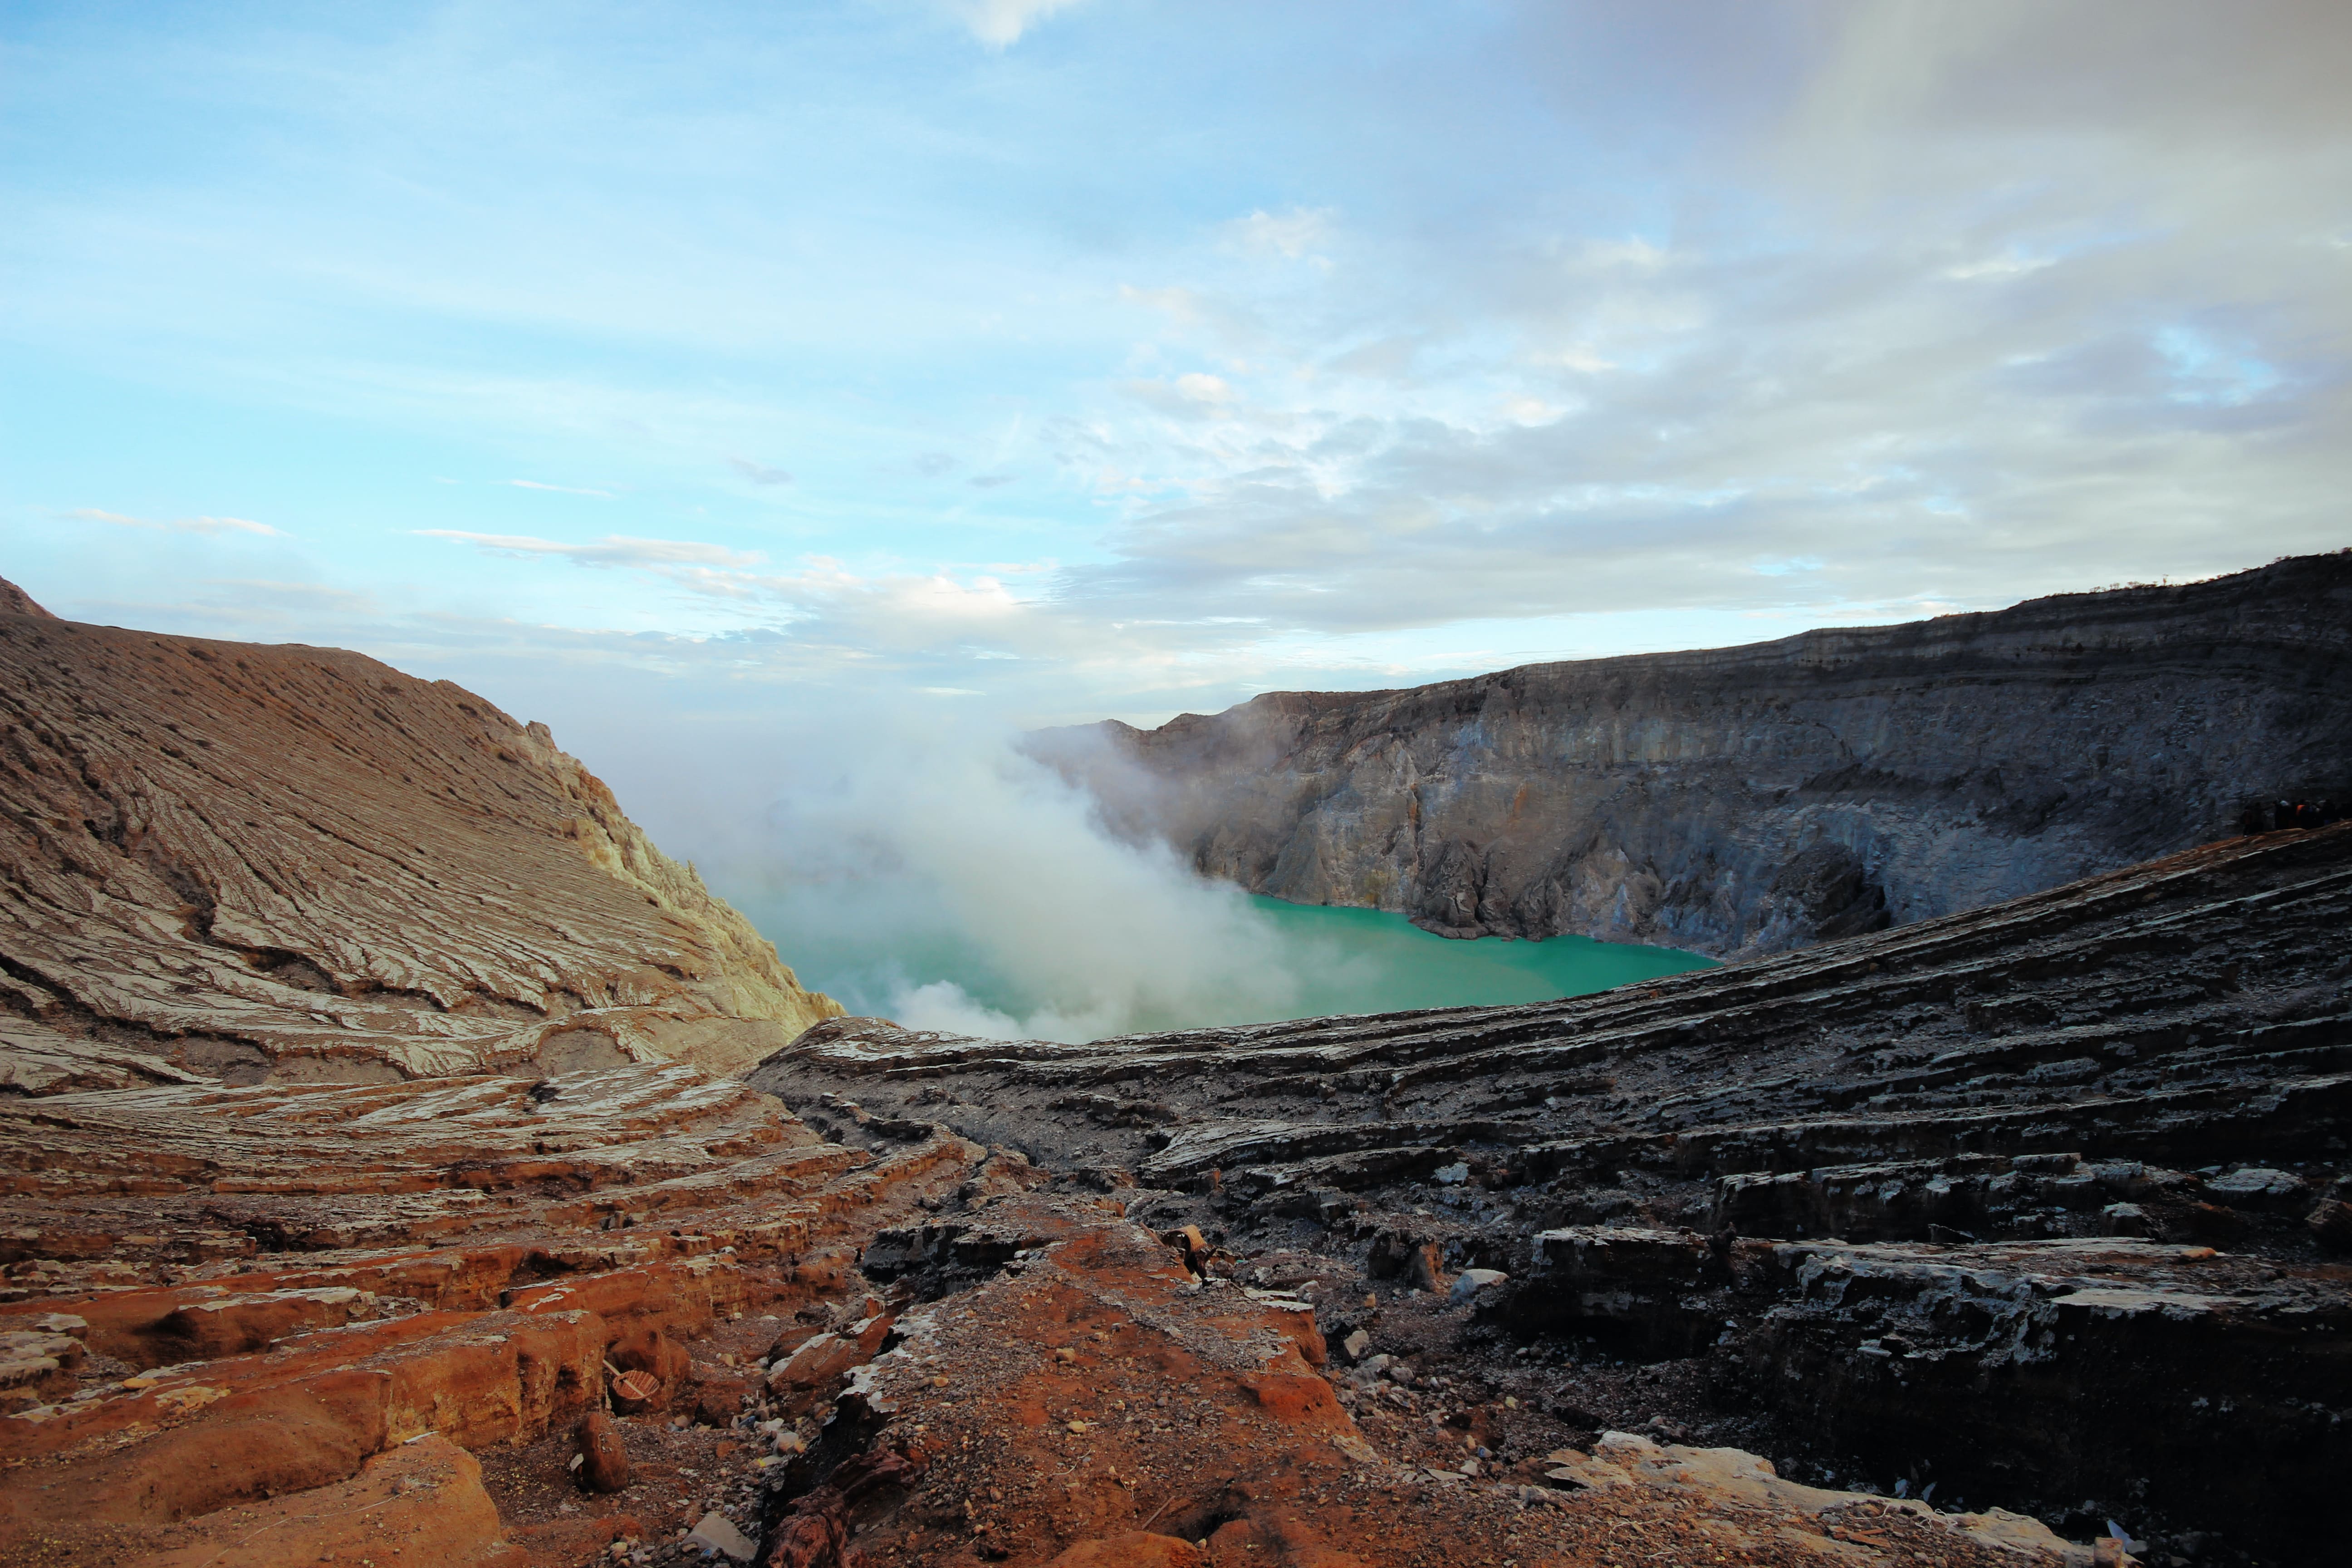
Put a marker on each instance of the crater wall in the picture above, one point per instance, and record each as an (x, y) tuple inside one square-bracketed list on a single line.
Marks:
[(1751, 800)]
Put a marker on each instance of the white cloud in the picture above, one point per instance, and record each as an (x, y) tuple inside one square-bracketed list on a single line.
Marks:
[(560, 490), (1292, 235), (1000, 22), (204, 525)]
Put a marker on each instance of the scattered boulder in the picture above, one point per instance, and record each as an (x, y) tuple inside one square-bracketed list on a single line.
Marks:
[(603, 1462), (1422, 1269), (717, 1532)]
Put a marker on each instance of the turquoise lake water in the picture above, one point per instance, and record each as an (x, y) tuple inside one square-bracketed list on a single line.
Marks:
[(878, 954), (1398, 966)]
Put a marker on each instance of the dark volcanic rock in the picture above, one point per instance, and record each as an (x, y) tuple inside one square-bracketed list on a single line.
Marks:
[(1749, 800), (222, 860), (2034, 1199)]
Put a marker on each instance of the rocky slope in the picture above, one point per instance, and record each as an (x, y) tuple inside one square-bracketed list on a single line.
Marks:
[(1751, 800), (643, 1315), (244, 863), (2040, 1203)]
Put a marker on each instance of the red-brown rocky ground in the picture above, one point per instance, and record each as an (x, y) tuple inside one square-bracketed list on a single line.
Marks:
[(1038, 1374)]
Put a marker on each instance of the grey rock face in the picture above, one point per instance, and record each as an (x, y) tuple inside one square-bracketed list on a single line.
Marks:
[(1751, 800)]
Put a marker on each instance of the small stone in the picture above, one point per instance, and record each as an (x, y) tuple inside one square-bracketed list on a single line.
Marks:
[(1356, 1344), (1470, 1281), (718, 1534), (1066, 1355), (1422, 1269)]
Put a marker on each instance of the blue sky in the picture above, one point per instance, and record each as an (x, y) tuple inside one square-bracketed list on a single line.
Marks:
[(1119, 357)]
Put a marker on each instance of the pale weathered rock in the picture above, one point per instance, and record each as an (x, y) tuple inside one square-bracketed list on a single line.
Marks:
[(717, 1532), (229, 861), (1470, 1281)]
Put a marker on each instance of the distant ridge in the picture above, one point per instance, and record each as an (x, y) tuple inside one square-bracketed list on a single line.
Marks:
[(1749, 800), (15, 601)]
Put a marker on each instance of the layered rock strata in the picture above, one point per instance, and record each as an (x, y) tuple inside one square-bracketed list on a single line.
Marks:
[(355, 1294), (2041, 1203), (228, 862), (1751, 800), (643, 1315)]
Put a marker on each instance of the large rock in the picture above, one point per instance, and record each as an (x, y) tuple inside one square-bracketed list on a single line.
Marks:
[(1751, 800), (285, 864)]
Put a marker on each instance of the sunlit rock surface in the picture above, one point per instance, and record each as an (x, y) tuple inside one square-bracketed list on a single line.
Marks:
[(244, 863), (388, 1323), (1748, 800)]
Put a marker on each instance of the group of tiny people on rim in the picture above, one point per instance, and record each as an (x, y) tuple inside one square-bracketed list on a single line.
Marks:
[(2270, 817)]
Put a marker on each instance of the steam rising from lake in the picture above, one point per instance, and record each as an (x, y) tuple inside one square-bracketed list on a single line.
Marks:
[(951, 854), (913, 863), (908, 859)]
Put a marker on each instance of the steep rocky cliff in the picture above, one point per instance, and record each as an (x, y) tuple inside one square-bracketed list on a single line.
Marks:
[(223, 860), (1749, 800)]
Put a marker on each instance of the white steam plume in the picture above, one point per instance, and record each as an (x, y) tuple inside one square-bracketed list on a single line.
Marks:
[(920, 866)]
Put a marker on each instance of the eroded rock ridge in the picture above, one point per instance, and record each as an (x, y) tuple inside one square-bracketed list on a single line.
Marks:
[(229, 861)]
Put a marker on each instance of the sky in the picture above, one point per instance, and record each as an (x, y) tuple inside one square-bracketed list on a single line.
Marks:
[(1113, 357)]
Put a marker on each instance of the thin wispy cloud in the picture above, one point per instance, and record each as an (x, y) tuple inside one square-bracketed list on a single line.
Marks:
[(1295, 234), (560, 490), (203, 525), (613, 550), (758, 473)]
